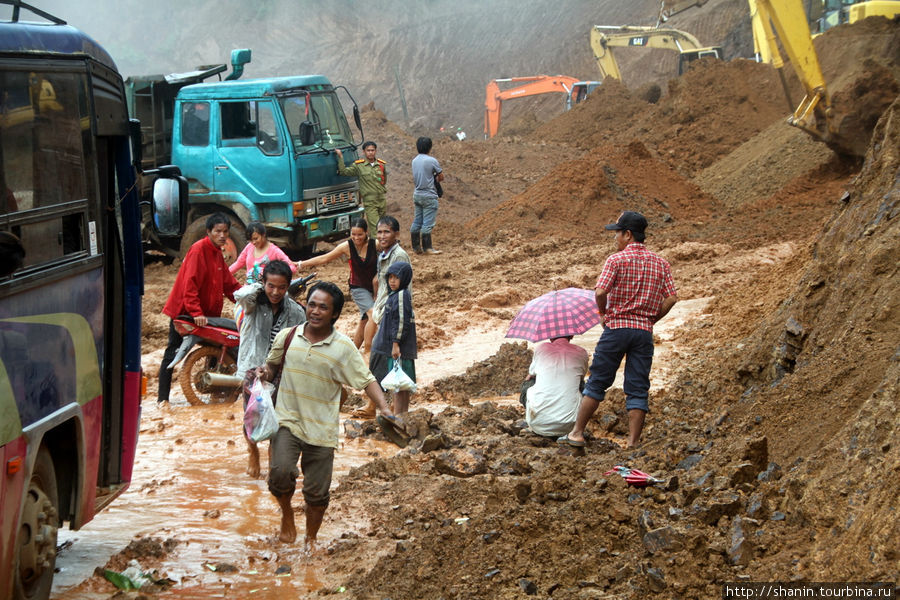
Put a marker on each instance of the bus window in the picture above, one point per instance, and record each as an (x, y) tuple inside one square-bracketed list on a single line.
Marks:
[(44, 136)]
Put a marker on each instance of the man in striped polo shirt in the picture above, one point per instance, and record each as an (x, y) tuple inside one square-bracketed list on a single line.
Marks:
[(634, 291), (319, 360)]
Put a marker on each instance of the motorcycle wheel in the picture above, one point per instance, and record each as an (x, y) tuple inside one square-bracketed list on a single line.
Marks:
[(198, 362)]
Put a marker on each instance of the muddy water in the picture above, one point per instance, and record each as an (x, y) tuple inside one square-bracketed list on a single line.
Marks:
[(189, 485)]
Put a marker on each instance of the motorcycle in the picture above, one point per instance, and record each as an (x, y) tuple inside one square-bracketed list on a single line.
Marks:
[(208, 375)]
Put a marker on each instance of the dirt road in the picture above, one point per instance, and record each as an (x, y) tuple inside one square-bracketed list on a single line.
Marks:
[(787, 374)]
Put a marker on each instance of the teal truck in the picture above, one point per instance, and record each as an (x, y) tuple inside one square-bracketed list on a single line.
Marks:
[(256, 149)]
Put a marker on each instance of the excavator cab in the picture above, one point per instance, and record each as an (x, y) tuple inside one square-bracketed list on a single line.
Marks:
[(686, 57)]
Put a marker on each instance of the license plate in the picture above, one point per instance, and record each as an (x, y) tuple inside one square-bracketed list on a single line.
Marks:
[(343, 222)]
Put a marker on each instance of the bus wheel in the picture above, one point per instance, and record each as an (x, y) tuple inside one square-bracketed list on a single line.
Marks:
[(206, 359), (37, 535)]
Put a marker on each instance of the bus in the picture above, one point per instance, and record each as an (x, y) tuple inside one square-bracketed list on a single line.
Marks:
[(71, 280)]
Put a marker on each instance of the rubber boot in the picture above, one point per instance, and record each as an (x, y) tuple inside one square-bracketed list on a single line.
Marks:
[(426, 244), (416, 242)]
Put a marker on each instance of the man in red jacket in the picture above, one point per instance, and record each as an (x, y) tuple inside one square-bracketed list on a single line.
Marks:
[(202, 281)]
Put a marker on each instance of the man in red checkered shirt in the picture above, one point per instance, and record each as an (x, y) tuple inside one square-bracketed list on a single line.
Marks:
[(634, 291)]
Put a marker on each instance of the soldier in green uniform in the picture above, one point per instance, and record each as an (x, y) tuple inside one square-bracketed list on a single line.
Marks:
[(372, 174)]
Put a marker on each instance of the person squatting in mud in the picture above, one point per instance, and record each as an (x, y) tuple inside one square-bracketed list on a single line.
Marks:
[(202, 281), (267, 310), (396, 337), (634, 291), (391, 252), (319, 360)]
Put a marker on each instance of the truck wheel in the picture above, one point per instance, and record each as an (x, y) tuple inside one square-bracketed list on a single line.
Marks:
[(237, 239), (36, 552), (198, 362), (194, 233), (233, 245)]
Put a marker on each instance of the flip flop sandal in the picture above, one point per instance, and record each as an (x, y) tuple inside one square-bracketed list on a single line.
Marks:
[(392, 430), (564, 440)]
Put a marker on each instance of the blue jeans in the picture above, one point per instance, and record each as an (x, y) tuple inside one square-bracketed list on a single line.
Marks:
[(426, 214), (636, 345)]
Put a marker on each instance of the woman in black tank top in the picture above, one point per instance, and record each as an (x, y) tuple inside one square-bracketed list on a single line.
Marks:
[(363, 260)]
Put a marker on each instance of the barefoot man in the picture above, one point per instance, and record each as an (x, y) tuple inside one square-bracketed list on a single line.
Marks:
[(634, 291), (319, 359)]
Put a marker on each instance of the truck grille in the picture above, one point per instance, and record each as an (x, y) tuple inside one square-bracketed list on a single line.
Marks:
[(336, 201)]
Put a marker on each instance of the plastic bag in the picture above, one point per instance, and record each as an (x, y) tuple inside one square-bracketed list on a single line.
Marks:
[(260, 422), (398, 381)]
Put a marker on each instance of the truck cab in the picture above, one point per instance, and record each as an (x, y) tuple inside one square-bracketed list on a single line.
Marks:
[(262, 150)]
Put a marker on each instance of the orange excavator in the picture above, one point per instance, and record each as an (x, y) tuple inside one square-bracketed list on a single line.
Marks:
[(574, 89)]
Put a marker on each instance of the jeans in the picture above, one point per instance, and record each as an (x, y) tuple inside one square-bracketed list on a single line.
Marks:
[(426, 214), (636, 345), (165, 374)]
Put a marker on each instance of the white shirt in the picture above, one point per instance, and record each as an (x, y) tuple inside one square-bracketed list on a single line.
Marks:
[(552, 402)]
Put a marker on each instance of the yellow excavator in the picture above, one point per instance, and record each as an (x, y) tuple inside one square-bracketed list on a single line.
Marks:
[(605, 38), (846, 134)]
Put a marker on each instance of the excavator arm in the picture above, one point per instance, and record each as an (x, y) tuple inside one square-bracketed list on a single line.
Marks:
[(814, 114), (668, 8), (605, 38), (530, 86)]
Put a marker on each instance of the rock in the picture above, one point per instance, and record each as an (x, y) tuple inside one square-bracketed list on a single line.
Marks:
[(645, 522), (230, 568), (689, 462), (624, 573), (772, 473), (777, 516), (743, 473), (757, 452), (675, 513), (608, 422), (740, 552), (655, 579), (528, 586), (522, 491), (756, 506), (726, 504), (491, 573), (671, 484), (434, 442), (461, 463), (663, 539), (490, 536)]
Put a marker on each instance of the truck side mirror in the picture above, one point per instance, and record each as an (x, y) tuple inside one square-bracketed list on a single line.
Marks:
[(356, 118), (307, 133), (169, 200)]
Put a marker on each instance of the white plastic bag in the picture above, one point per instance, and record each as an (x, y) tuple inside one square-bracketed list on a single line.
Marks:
[(260, 422), (398, 381)]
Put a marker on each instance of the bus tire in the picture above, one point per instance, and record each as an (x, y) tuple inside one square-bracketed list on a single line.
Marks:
[(36, 546), (201, 360)]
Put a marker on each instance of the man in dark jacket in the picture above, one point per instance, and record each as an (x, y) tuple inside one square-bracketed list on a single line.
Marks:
[(396, 337)]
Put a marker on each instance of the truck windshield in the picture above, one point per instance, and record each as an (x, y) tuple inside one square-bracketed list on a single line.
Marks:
[(324, 112)]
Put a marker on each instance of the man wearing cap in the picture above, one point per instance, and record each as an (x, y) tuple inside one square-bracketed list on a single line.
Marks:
[(634, 291)]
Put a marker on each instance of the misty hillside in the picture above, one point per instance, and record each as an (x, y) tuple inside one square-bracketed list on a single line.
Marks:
[(442, 51)]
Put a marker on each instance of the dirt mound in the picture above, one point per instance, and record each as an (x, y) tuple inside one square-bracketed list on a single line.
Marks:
[(499, 375), (577, 198), (829, 353)]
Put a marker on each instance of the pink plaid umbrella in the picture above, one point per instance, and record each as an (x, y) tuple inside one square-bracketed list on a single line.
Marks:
[(559, 313)]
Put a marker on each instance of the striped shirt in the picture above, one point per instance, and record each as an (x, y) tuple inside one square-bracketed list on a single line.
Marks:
[(309, 397), (637, 281)]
